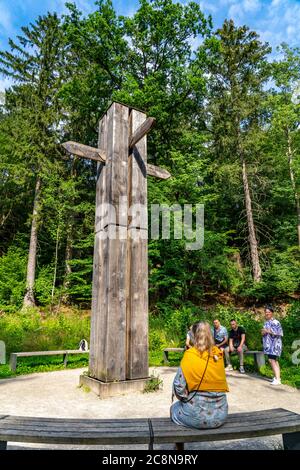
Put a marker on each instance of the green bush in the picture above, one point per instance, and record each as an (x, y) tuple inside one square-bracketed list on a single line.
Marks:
[(12, 279), (5, 372), (178, 322), (29, 365), (291, 329), (43, 285), (245, 319), (279, 279), (157, 341), (30, 331), (153, 384)]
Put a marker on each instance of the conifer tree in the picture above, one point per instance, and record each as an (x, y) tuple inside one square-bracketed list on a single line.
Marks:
[(35, 65), (236, 75)]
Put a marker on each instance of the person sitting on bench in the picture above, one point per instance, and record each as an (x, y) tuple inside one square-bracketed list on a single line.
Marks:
[(237, 345), (200, 384), (220, 334), (189, 342)]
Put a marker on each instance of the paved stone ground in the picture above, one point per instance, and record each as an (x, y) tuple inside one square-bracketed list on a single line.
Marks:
[(56, 394)]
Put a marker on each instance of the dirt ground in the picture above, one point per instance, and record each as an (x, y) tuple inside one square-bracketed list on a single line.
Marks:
[(56, 394)]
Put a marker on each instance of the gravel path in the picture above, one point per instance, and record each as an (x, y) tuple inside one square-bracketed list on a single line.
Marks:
[(56, 394)]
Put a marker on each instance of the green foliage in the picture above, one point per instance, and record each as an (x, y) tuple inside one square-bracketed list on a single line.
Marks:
[(281, 277), (12, 279), (27, 330), (291, 329), (43, 285), (30, 365), (246, 319), (154, 384), (213, 111), (172, 323), (157, 341), (178, 323), (290, 374), (5, 372)]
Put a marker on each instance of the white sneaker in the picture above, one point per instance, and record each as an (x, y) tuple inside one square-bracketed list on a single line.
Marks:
[(229, 367), (275, 382), (242, 370)]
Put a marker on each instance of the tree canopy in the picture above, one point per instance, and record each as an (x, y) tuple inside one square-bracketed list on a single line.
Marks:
[(227, 129)]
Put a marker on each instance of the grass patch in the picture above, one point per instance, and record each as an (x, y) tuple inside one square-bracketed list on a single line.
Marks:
[(153, 384), (32, 330), (5, 372), (29, 365)]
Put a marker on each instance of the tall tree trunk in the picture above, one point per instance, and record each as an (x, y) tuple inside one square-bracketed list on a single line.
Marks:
[(256, 269), (55, 262), (69, 250), (68, 258), (29, 300), (292, 176)]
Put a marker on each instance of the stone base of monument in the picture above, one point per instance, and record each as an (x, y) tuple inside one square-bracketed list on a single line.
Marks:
[(111, 389)]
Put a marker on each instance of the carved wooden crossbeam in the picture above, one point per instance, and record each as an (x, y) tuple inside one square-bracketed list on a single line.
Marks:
[(84, 151), (99, 155), (92, 153), (141, 131)]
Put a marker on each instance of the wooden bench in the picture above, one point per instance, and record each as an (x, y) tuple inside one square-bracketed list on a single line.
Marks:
[(259, 357), (166, 353), (148, 431), (64, 353)]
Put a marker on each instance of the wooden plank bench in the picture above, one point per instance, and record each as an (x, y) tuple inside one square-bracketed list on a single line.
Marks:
[(148, 431), (259, 357), (166, 353), (64, 353)]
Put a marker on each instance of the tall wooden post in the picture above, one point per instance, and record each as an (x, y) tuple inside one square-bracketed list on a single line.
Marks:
[(137, 257), (108, 338), (119, 324)]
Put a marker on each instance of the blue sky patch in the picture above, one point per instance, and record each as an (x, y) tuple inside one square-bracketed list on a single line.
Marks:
[(276, 21)]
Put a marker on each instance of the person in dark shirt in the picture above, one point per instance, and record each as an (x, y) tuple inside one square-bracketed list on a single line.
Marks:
[(237, 345)]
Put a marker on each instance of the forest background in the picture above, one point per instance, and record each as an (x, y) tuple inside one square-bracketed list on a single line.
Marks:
[(227, 128)]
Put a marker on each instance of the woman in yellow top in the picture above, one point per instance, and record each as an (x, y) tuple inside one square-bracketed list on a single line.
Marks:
[(200, 384)]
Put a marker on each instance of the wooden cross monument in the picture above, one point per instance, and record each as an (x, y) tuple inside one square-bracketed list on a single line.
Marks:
[(119, 324)]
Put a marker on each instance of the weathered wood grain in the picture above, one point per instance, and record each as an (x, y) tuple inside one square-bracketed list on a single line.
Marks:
[(99, 155), (49, 353), (142, 130), (137, 256), (166, 353), (137, 307), (117, 160), (108, 329), (85, 151), (95, 338), (64, 353), (158, 172), (130, 431), (108, 360)]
